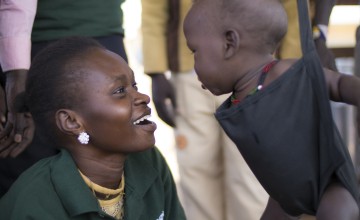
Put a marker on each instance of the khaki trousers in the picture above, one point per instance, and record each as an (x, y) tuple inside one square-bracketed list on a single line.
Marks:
[(215, 181)]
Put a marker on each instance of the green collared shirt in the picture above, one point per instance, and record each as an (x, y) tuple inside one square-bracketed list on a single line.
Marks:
[(54, 189)]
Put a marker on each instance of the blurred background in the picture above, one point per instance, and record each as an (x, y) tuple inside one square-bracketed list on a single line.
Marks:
[(164, 133)]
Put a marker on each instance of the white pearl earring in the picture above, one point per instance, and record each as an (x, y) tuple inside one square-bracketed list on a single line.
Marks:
[(83, 138)]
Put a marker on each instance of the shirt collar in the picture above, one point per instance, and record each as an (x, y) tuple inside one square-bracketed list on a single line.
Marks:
[(140, 175), (75, 195), (78, 199)]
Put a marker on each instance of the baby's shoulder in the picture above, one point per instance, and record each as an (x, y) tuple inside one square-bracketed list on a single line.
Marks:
[(279, 69), (283, 65)]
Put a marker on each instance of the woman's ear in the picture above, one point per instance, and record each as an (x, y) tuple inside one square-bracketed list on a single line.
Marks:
[(68, 122), (232, 42)]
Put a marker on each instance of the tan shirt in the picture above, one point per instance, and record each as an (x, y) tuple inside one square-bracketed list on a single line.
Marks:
[(164, 44)]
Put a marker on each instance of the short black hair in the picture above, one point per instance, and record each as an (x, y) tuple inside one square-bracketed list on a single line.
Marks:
[(53, 80), (265, 21)]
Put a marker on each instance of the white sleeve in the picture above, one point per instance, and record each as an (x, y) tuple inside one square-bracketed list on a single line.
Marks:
[(16, 22)]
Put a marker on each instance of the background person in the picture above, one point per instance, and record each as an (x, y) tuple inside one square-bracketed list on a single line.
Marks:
[(320, 11)]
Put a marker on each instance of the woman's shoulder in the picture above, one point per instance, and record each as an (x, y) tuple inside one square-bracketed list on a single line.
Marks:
[(36, 174), (31, 188)]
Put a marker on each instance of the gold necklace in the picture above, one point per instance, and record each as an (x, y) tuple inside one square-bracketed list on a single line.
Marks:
[(113, 207)]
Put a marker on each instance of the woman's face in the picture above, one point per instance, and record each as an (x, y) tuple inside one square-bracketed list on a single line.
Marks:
[(114, 113)]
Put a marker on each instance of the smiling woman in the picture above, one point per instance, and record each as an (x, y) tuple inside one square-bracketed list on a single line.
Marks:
[(84, 101)]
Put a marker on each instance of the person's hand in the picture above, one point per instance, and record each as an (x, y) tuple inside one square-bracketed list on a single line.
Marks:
[(327, 57), (19, 127), (164, 98)]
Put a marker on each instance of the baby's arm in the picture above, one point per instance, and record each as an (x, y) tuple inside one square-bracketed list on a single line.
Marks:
[(343, 87)]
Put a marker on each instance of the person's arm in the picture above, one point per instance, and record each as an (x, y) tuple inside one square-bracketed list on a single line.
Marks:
[(320, 25), (323, 10), (2, 108), (344, 88), (16, 20), (155, 15)]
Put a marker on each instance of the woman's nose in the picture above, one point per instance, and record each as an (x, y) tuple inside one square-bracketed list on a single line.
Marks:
[(142, 98)]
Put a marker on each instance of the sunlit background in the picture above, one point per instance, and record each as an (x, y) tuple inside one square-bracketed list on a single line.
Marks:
[(343, 23)]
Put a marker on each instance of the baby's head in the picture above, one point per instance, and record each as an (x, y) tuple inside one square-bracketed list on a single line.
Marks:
[(75, 85), (229, 37)]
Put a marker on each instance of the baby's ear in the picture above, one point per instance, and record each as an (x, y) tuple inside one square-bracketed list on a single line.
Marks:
[(68, 122), (232, 41)]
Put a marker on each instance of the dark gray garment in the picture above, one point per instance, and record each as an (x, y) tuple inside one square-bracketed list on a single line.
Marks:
[(286, 133)]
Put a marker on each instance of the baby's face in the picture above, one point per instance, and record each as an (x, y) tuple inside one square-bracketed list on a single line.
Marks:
[(114, 112), (205, 41)]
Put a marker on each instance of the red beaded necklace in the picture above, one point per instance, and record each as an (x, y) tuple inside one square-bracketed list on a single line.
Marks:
[(259, 86)]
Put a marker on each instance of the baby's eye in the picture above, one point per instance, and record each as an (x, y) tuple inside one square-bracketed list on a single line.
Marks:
[(119, 90)]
